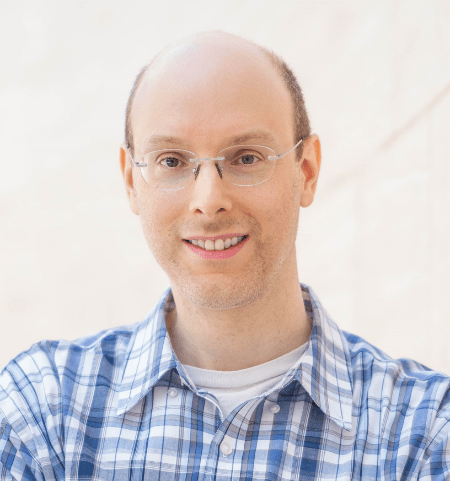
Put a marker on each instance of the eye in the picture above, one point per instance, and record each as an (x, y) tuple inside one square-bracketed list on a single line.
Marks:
[(248, 159), (171, 161)]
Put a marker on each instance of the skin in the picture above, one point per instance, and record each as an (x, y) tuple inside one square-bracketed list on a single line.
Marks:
[(246, 310)]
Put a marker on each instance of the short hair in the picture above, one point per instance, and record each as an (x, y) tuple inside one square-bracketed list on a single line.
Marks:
[(302, 128)]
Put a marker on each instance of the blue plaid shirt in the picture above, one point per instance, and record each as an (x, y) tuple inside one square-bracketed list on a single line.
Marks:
[(119, 406)]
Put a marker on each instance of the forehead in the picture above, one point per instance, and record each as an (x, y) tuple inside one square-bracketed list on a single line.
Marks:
[(211, 91)]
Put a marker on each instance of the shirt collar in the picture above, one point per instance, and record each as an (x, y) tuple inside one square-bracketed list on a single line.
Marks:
[(324, 370), (148, 358)]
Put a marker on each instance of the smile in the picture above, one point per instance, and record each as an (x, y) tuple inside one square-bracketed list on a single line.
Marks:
[(218, 245), (218, 249)]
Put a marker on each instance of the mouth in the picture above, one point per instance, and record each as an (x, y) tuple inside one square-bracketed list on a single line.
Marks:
[(218, 244), (219, 249)]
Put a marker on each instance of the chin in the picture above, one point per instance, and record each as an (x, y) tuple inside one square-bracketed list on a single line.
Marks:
[(212, 297)]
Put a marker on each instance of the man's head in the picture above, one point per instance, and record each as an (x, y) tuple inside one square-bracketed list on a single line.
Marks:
[(205, 94), (301, 121)]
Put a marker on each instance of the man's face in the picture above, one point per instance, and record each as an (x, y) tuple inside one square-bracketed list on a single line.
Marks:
[(204, 97)]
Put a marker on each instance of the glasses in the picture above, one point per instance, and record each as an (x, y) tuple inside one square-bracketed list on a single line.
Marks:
[(175, 169)]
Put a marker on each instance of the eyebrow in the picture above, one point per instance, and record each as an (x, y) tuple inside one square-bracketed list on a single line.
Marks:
[(157, 140), (252, 135)]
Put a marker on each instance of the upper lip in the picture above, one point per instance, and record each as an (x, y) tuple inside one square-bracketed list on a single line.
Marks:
[(213, 238)]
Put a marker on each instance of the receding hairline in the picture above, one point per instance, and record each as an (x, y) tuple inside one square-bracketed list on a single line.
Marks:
[(301, 121)]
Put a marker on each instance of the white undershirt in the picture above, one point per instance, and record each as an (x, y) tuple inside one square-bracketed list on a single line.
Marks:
[(232, 388)]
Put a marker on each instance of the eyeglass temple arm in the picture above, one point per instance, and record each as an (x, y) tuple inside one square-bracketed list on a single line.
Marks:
[(137, 164), (276, 157)]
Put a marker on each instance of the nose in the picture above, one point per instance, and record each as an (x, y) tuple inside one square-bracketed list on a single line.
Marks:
[(210, 193)]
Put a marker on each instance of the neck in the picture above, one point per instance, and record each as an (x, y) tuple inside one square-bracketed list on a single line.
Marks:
[(240, 338)]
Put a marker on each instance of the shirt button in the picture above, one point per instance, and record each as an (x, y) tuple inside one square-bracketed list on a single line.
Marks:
[(172, 392), (275, 408), (226, 449)]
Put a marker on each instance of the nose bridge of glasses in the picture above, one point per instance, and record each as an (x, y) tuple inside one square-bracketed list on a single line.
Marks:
[(216, 160), (213, 159)]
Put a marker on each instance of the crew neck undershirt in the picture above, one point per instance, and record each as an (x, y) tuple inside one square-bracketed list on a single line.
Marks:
[(232, 388)]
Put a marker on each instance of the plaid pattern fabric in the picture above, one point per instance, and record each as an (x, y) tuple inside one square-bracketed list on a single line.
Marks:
[(119, 406)]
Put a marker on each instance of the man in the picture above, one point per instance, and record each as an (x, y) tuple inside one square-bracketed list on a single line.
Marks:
[(238, 372)]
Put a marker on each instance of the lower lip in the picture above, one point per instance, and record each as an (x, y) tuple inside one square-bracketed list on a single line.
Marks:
[(225, 254)]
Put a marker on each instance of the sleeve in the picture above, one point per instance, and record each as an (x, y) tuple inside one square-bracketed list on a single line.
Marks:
[(16, 461), (437, 466), (4, 475), (31, 420)]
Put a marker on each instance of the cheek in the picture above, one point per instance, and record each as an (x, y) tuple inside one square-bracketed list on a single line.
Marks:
[(278, 204), (158, 218)]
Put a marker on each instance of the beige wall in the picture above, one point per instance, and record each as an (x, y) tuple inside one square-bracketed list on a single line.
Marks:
[(374, 244)]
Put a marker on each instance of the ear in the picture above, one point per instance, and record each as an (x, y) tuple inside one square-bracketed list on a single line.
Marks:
[(310, 169), (127, 173)]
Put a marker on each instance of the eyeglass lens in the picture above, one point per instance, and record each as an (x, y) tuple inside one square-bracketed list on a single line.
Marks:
[(242, 165)]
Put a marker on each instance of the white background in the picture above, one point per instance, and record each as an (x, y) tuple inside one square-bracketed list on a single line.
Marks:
[(373, 245)]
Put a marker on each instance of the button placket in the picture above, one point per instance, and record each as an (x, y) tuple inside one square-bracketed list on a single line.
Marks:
[(274, 408), (225, 448), (172, 392)]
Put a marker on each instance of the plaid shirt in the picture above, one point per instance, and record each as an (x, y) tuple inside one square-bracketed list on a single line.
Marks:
[(119, 406)]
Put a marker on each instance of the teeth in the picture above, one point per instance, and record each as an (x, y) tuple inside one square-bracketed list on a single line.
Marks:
[(218, 245), (209, 245)]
